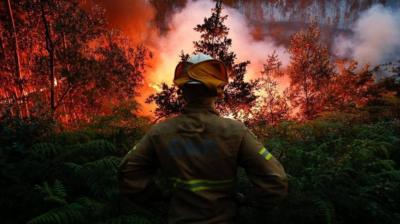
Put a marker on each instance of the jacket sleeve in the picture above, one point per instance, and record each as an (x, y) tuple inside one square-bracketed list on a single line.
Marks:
[(264, 171), (136, 173)]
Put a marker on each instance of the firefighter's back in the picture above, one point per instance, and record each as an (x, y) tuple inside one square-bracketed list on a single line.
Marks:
[(198, 151)]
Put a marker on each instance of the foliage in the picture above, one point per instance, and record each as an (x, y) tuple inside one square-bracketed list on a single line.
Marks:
[(169, 101), (339, 171), (342, 160), (274, 105), (310, 70), (337, 163), (67, 177), (72, 64)]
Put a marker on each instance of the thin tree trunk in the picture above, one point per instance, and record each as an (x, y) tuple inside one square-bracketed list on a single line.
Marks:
[(18, 80), (50, 50), (2, 52), (307, 100)]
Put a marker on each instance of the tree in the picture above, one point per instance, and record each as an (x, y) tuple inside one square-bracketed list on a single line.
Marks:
[(239, 95), (74, 64), (18, 80), (214, 37), (50, 49), (274, 105), (168, 101), (310, 71), (350, 88)]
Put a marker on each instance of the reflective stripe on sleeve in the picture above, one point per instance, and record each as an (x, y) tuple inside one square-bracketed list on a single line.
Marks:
[(198, 185), (265, 153)]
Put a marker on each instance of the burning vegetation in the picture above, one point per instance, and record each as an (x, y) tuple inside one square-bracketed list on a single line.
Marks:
[(81, 81)]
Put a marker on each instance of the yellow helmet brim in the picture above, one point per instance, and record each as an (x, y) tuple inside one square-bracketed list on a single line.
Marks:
[(212, 73)]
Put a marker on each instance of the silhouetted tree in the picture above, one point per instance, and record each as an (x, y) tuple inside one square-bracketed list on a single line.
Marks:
[(168, 101)]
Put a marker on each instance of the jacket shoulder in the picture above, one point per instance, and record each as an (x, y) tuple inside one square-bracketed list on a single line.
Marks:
[(214, 122), (233, 123), (167, 125), (227, 125)]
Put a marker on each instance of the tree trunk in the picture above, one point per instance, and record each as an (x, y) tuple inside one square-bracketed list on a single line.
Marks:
[(50, 50), (18, 81), (307, 112), (2, 52)]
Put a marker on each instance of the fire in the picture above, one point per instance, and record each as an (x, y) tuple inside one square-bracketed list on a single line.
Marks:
[(159, 69), (180, 36), (142, 28)]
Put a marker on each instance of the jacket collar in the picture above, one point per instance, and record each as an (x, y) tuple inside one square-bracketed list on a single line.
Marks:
[(203, 104)]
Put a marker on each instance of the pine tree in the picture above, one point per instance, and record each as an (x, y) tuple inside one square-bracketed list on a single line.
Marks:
[(274, 105), (214, 37), (239, 95)]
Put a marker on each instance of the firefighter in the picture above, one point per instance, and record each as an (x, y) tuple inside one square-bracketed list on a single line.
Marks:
[(199, 151)]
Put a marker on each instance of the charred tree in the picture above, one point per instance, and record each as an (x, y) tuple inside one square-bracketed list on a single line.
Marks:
[(19, 92), (50, 51)]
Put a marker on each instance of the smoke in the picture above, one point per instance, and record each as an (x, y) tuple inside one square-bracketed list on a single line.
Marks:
[(133, 17), (249, 47), (181, 36), (137, 19), (375, 39)]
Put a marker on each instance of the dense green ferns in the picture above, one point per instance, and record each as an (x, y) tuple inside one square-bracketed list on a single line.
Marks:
[(341, 170)]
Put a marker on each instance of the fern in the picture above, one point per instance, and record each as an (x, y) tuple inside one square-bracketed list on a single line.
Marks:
[(89, 151), (68, 138), (325, 208), (46, 149), (130, 219), (72, 213), (55, 193), (77, 212), (109, 163), (102, 172)]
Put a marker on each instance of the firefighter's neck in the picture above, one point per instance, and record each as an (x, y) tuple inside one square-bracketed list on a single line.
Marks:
[(202, 102), (205, 101)]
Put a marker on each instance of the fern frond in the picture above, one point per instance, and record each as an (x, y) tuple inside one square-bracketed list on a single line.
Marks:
[(102, 172), (71, 213), (46, 149), (325, 208), (109, 163), (125, 219), (55, 193), (59, 189), (76, 212), (89, 151)]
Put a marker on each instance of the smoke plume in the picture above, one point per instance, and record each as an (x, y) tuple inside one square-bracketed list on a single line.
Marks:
[(375, 38), (181, 37), (133, 17)]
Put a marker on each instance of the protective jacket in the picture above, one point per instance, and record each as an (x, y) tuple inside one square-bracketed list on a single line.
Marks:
[(200, 152)]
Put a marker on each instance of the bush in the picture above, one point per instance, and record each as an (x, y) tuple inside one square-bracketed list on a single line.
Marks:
[(338, 172)]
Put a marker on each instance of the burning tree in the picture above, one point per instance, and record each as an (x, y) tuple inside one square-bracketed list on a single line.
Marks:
[(71, 64), (310, 71), (239, 95), (13, 65), (274, 105), (351, 87)]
